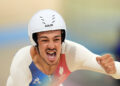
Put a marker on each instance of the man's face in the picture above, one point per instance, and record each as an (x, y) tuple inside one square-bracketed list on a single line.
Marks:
[(49, 44)]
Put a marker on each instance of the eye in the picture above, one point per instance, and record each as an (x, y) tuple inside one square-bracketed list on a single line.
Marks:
[(56, 39), (44, 40)]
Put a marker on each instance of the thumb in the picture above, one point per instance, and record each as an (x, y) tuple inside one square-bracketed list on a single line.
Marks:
[(98, 59)]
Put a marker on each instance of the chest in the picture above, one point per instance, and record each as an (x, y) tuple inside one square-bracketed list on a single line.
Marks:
[(59, 75)]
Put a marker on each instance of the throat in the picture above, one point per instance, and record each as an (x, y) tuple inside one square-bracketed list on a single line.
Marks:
[(44, 67), (49, 71)]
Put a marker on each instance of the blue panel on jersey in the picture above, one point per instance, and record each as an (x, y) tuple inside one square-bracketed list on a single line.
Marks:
[(38, 78)]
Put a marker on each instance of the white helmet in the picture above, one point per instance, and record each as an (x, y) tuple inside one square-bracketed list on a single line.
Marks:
[(45, 20)]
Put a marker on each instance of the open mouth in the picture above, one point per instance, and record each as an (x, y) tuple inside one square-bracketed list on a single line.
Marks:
[(51, 55)]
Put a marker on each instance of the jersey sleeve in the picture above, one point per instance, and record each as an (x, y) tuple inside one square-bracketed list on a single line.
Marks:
[(78, 57), (19, 72)]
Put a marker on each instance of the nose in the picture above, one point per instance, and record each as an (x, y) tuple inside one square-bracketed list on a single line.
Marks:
[(51, 45)]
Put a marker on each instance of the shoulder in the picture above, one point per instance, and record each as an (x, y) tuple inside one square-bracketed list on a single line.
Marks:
[(25, 51), (22, 57), (76, 49), (70, 45), (20, 67)]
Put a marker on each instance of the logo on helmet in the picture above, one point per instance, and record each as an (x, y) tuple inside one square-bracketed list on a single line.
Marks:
[(48, 25)]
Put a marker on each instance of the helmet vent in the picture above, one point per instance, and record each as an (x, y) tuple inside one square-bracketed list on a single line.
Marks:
[(48, 25), (53, 18), (42, 20)]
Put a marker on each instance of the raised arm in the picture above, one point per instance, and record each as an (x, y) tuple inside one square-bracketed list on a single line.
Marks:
[(78, 57)]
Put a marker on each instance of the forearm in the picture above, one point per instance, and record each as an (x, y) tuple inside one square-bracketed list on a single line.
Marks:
[(92, 64)]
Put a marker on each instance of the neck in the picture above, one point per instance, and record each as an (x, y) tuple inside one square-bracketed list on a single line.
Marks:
[(44, 66)]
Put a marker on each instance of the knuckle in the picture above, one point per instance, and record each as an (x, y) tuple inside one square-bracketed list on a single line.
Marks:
[(108, 55), (105, 65), (103, 62), (112, 63)]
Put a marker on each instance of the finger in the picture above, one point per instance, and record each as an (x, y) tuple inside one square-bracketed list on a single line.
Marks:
[(108, 60), (98, 60), (101, 60), (110, 70), (109, 65), (106, 56)]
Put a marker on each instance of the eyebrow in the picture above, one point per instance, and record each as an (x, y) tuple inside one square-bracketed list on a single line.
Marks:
[(58, 36), (47, 37), (42, 37)]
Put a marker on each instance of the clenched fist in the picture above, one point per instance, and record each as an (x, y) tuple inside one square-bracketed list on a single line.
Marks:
[(107, 63)]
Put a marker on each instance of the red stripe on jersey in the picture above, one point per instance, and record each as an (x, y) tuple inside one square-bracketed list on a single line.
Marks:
[(62, 71)]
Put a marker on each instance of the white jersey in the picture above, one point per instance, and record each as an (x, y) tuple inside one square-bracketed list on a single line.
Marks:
[(77, 58)]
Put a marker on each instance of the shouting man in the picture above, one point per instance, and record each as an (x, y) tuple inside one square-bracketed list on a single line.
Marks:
[(51, 59)]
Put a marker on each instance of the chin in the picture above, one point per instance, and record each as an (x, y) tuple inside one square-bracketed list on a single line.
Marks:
[(52, 62)]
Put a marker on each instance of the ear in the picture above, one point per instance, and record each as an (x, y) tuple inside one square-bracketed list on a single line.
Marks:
[(33, 51)]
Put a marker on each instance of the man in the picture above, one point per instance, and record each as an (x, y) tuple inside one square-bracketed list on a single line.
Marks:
[(50, 59)]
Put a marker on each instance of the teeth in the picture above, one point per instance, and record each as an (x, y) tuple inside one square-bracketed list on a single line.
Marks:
[(50, 52)]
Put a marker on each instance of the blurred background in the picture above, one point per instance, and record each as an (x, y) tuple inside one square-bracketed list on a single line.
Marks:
[(92, 23)]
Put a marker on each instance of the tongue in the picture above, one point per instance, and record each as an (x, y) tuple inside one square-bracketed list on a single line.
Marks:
[(51, 57)]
